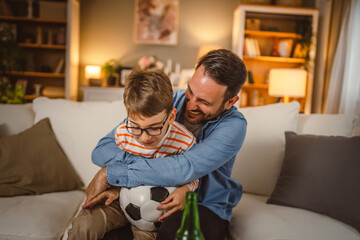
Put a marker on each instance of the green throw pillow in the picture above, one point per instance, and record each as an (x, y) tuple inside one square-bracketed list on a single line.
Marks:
[(32, 162), (321, 174)]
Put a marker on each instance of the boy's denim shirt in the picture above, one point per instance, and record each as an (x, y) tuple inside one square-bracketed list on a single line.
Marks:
[(211, 160)]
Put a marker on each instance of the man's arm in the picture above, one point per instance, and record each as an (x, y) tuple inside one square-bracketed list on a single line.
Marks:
[(216, 149), (106, 151)]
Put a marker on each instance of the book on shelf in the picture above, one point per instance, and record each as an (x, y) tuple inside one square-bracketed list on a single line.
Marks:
[(252, 48), (59, 66), (250, 77), (257, 48), (54, 92)]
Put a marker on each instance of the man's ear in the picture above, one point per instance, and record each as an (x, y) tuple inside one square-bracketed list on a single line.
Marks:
[(229, 103), (172, 116)]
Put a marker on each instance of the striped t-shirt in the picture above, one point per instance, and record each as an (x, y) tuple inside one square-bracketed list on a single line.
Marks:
[(176, 140)]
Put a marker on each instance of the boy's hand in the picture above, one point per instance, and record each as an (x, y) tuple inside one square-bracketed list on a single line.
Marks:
[(98, 185), (108, 196), (174, 202)]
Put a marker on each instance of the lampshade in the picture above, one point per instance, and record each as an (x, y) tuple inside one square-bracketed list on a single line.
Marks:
[(92, 71), (93, 75), (287, 82), (204, 49)]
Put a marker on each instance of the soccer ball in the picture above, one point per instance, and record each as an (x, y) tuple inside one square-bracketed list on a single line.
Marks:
[(139, 205)]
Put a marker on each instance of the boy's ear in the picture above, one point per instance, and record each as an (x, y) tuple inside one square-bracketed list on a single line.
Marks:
[(172, 116)]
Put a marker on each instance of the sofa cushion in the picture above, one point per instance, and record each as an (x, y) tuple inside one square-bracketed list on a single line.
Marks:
[(79, 126), (321, 174), (327, 124), (38, 217), (32, 162), (259, 160), (254, 220), (15, 118)]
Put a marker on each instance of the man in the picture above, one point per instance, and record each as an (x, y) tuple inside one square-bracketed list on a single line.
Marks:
[(206, 109)]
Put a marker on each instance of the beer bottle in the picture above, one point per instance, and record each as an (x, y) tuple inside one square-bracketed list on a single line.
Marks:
[(190, 226)]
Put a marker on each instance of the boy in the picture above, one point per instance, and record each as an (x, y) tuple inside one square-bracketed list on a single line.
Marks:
[(151, 131)]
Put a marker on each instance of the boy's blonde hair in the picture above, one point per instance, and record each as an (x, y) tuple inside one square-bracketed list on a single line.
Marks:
[(147, 93)]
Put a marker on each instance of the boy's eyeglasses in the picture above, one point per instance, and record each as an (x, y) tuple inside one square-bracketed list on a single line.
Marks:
[(152, 131)]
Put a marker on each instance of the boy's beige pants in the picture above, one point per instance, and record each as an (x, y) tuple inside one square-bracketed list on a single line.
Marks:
[(93, 223)]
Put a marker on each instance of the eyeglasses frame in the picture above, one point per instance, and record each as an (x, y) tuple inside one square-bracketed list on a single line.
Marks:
[(146, 129)]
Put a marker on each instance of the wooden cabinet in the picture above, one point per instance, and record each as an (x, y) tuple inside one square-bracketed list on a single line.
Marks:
[(108, 94), (258, 30), (50, 46)]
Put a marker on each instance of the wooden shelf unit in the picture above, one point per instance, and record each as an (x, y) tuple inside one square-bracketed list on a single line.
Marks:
[(255, 86), (47, 55), (284, 21), (43, 46), (34, 20), (38, 74), (256, 33), (275, 59)]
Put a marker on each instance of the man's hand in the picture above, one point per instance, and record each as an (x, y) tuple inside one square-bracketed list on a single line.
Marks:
[(98, 185), (108, 196), (174, 202)]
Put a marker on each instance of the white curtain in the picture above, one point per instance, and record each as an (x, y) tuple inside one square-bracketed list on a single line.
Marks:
[(344, 85)]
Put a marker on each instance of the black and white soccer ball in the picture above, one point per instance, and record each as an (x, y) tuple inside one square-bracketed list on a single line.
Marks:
[(139, 205)]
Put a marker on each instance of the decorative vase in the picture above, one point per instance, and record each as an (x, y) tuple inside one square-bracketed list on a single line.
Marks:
[(111, 80)]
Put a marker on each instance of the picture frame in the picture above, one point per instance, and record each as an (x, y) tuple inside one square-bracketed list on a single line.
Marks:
[(124, 72), (156, 22)]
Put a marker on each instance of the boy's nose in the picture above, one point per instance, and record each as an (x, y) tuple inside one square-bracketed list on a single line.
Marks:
[(144, 136)]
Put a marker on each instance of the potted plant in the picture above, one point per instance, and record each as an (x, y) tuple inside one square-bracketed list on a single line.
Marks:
[(11, 58), (111, 69), (304, 28), (11, 95)]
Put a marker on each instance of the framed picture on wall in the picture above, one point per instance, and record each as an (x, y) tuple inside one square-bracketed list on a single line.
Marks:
[(124, 72), (156, 22)]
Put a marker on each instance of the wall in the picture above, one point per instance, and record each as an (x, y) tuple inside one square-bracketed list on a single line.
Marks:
[(106, 31)]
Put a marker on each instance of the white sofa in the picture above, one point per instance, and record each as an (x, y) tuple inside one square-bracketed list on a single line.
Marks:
[(79, 125)]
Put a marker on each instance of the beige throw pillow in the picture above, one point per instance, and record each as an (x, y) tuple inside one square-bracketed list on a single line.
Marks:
[(32, 162)]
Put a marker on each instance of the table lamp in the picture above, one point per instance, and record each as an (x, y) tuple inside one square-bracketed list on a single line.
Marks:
[(287, 82), (93, 75)]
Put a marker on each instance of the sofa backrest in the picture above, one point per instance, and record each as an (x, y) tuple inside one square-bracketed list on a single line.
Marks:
[(259, 161), (327, 124), (79, 126), (15, 118)]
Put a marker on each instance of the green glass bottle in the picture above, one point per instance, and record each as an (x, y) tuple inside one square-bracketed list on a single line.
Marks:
[(190, 226)]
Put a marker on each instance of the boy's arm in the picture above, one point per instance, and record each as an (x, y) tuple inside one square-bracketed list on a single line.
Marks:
[(193, 185)]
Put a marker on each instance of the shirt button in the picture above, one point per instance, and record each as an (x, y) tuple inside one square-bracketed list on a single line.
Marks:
[(117, 181)]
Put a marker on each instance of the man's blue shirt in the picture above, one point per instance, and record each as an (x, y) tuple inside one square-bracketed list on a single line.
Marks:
[(211, 160)]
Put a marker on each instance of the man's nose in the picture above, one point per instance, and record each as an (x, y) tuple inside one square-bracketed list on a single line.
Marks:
[(191, 104)]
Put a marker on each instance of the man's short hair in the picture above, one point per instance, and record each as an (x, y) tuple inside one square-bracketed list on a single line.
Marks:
[(147, 93), (226, 68)]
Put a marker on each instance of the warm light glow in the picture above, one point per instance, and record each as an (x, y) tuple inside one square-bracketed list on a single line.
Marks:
[(204, 49), (92, 72), (287, 82)]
